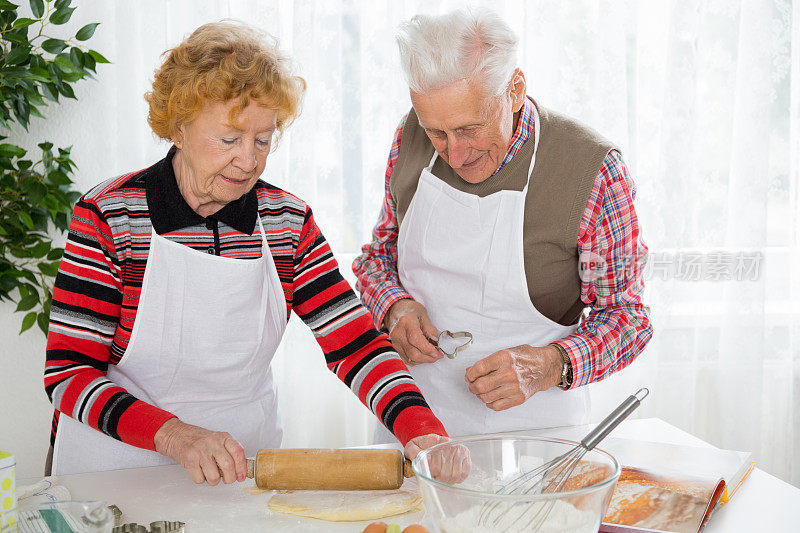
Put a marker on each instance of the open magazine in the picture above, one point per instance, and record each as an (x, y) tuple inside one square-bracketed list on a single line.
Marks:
[(670, 488)]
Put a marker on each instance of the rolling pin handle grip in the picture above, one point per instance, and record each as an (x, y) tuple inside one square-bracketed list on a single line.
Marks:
[(251, 468), (407, 470)]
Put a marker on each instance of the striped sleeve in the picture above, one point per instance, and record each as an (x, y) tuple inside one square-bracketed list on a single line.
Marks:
[(360, 356), (618, 326), (376, 267), (87, 298)]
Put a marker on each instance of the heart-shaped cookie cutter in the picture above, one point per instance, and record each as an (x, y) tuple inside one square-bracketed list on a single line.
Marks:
[(453, 335)]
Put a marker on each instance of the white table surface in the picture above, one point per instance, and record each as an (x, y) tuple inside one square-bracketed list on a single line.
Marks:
[(762, 504)]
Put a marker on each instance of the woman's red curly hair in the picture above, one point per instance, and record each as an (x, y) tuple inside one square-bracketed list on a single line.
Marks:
[(221, 61)]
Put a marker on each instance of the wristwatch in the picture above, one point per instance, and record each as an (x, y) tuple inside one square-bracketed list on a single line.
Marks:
[(566, 369)]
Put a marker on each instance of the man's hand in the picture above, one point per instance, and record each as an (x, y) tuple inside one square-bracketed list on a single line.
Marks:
[(449, 464), (204, 453), (409, 329), (509, 377)]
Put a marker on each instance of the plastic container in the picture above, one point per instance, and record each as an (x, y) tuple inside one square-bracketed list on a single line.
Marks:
[(488, 464), (8, 496), (65, 517)]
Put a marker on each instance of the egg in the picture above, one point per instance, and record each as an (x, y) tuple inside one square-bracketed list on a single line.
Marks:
[(415, 528), (375, 527)]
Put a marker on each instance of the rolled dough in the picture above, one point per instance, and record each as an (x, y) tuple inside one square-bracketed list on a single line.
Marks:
[(345, 505)]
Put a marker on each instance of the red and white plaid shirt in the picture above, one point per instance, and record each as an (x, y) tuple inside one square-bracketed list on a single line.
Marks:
[(618, 325)]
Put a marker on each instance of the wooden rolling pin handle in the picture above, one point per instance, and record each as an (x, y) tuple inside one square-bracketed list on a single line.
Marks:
[(321, 469), (407, 470)]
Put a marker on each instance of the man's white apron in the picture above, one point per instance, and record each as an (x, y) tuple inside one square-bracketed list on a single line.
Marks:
[(205, 333), (461, 256)]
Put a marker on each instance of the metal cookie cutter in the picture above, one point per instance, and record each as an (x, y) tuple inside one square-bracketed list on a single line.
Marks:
[(453, 335), (162, 526)]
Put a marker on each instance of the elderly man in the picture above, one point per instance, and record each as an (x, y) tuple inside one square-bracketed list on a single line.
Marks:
[(492, 204)]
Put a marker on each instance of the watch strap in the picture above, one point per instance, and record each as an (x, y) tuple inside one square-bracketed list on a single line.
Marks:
[(566, 369)]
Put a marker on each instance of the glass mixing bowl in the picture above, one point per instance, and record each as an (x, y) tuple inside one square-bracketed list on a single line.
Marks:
[(465, 486)]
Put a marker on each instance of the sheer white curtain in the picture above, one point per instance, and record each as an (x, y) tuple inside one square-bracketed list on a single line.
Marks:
[(703, 97)]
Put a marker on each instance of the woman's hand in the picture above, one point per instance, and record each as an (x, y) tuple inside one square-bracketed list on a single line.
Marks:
[(204, 453), (450, 464)]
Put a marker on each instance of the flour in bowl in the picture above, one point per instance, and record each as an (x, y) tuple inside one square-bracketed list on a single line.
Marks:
[(561, 518)]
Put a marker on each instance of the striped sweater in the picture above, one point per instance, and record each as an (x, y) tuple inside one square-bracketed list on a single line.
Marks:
[(96, 295)]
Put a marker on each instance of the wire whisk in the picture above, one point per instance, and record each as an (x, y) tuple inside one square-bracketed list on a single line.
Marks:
[(550, 477)]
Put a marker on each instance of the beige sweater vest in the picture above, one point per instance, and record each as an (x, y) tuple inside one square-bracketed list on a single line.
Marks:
[(568, 160)]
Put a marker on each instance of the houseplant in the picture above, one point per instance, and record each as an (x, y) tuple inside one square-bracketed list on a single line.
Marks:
[(36, 194)]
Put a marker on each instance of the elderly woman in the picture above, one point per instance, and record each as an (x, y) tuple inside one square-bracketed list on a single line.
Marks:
[(177, 281)]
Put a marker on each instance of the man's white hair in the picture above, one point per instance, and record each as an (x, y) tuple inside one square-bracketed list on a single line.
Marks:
[(474, 44)]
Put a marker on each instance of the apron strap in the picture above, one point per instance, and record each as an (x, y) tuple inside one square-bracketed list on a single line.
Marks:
[(433, 158), (263, 233)]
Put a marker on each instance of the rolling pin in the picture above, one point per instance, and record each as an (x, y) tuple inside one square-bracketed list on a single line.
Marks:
[(321, 469)]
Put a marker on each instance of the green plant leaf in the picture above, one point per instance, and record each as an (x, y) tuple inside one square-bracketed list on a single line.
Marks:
[(17, 55), (38, 192), (11, 150), (26, 219), (28, 321), (50, 202), (48, 269), (27, 303), (55, 254), (5, 4), (41, 249), (37, 7), (22, 111), (67, 91), (41, 320), (19, 36), (54, 46), (98, 56), (64, 64), (61, 16), (89, 62), (85, 33), (72, 77), (39, 74), (76, 56), (45, 146), (36, 113), (50, 91), (62, 3), (23, 22)]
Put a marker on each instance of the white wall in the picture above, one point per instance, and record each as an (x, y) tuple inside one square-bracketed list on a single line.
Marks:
[(25, 412)]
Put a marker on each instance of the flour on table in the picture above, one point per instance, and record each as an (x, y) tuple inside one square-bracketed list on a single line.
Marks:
[(561, 518)]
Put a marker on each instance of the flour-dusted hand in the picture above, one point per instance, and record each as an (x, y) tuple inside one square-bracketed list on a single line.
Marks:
[(410, 330), (417, 444), (509, 377), (204, 453), (448, 464)]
